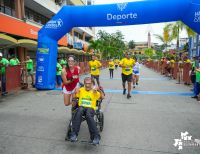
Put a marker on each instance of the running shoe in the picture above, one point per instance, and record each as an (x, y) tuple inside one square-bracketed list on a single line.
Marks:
[(124, 92), (73, 137), (128, 96), (96, 141)]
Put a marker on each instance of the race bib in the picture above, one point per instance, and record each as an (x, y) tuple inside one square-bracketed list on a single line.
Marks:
[(86, 103), (93, 68), (127, 69)]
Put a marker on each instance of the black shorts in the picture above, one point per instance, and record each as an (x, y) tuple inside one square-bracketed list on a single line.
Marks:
[(95, 77), (127, 78)]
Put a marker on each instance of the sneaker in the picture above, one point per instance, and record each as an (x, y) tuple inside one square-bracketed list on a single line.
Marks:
[(73, 137), (194, 97), (128, 96), (136, 83), (124, 92), (133, 86), (95, 141)]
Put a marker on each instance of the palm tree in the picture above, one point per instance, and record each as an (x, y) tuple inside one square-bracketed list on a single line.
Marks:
[(165, 38), (175, 29)]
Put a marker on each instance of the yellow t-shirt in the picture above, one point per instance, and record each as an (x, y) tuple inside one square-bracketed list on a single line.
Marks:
[(111, 65), (94, 70), (128, 63), (116, 61), (87, 99), (187, 61), (172, 62)]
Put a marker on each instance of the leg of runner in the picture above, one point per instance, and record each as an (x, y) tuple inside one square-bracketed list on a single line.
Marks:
[(133, 76), (67, 100), (123, 83), (97, 79), (129, 90), (112, 73), (129, 80), (137, 79)]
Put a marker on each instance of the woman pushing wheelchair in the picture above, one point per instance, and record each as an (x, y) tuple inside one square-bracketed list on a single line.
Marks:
[(87, 102)]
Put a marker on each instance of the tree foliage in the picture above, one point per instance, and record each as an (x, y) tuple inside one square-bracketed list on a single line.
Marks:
[(108, 45), (131, 44)]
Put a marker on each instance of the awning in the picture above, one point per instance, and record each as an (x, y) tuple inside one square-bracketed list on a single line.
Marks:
[(27, 43), (64, 50), (7, 41)]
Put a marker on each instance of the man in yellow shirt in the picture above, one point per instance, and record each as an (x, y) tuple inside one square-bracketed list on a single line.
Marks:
[(116, 63), (111, 67), (127, 64), (95, 66), (87, 96), (172, 65)]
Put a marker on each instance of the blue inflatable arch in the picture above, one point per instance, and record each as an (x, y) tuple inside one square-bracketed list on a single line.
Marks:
[(132, 13)]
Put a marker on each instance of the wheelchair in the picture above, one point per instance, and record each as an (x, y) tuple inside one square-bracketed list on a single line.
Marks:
[(98, 117)]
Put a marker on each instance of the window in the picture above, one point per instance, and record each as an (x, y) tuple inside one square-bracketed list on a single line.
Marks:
[(32, 15), (8, 7)]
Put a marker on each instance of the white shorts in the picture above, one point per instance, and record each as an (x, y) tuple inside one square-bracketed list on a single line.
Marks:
[(136, 72), (65, 91)]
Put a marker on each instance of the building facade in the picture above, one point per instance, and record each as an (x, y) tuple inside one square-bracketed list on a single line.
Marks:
[(22, 19)]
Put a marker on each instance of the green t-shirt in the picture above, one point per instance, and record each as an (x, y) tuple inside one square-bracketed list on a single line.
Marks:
[(58, 69), (14, 62), (29, 64), (198, 75), (4, 62), (63, 62)]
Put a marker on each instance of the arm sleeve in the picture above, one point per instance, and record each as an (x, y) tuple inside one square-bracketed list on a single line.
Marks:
[(121, 62)]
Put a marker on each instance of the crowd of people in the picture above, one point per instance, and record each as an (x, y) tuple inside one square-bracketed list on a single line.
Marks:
[(183, 66), (13, 62)]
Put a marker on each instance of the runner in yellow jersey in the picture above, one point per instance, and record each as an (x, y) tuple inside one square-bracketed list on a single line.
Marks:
[(127, 64), (116, 63), (95, 66), (111, 68)]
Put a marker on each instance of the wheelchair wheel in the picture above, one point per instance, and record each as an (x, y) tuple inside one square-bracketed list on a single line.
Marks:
[(69, 130), (101, 121)]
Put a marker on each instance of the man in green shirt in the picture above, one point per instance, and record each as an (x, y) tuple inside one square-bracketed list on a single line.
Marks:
[(14, 61), (63, 62), (29, 67), (196, 66), (3, 64), (58, 74)]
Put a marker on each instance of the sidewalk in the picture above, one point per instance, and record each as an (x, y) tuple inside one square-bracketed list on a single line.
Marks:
[(35, 122)]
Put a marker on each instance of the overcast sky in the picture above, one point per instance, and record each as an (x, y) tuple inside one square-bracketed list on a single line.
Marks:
[(137, 33)]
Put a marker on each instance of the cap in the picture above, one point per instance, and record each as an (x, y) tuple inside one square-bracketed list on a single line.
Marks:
[(1, 54)]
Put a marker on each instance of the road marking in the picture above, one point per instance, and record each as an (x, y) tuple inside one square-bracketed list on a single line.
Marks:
[(169, 93), (144, 79)]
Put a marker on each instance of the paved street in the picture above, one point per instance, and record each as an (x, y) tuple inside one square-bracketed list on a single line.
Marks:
[(35, 122)]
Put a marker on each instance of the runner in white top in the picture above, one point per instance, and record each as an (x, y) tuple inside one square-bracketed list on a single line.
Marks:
[(136, 73)]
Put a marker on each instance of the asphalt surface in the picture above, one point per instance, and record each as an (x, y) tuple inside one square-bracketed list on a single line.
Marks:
[(35, 122)]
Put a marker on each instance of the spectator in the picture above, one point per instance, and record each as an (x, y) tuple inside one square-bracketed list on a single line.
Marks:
[(29, 67), (3, 63), (58, 74), (14, 61)]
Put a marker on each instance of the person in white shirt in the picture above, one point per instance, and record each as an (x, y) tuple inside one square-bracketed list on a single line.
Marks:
[(136, 73)]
